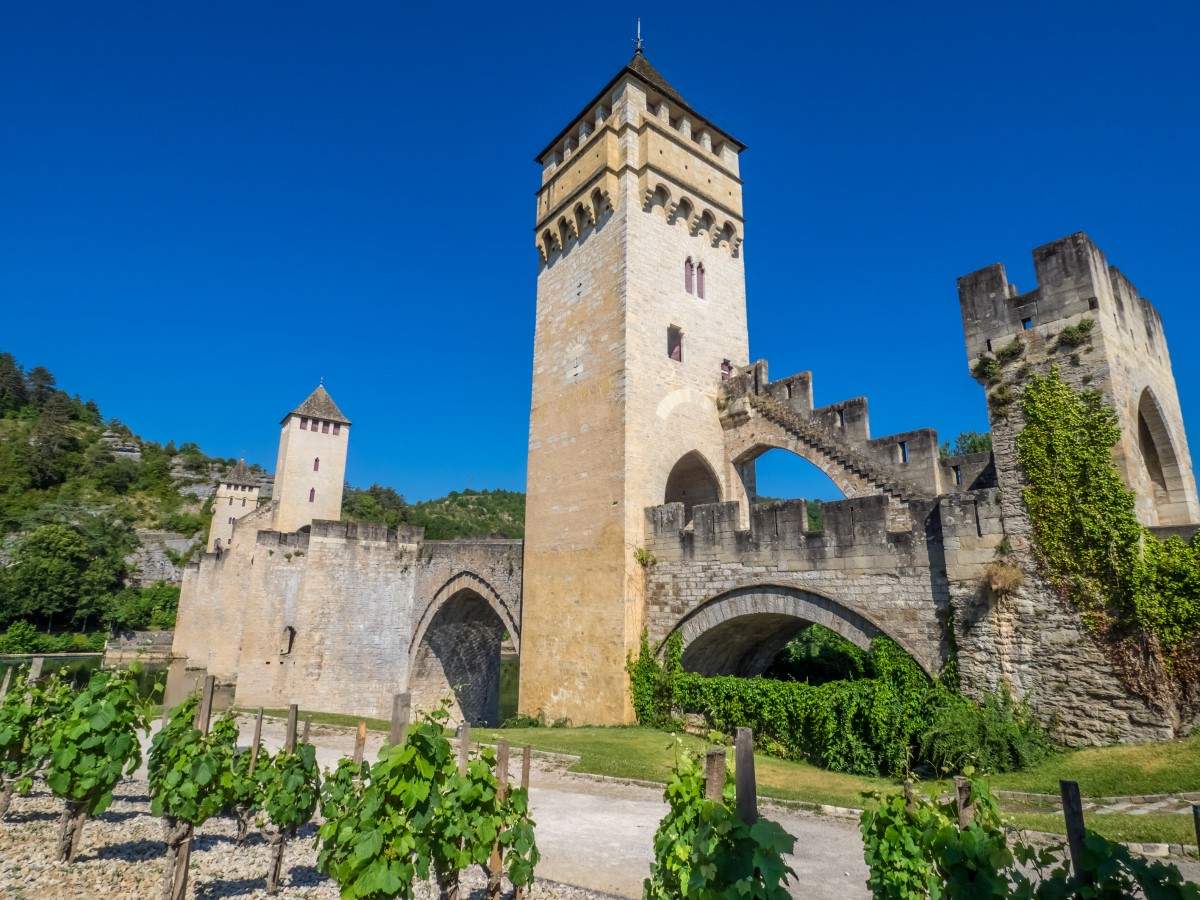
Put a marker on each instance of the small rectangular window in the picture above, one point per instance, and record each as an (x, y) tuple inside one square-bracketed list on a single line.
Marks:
[(324, 428), (675, 343), (989, 345), (903, 445), (337, 427), (1027, 324), (841, 418), (1093, 303), (303, 424), (957, 474)]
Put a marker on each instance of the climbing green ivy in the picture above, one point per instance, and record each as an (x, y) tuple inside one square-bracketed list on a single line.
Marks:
[(1087, 535)]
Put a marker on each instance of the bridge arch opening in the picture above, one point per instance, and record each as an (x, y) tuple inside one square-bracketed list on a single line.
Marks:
[(692, 481), (743, 632), (459, 655)]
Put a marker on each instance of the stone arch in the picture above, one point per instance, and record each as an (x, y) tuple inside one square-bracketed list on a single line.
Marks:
[(847, 481), (477, 584), (740, 631), (692, 481), (1159, 456)]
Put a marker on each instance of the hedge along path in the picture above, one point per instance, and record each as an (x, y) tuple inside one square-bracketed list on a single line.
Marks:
[(179, 832)]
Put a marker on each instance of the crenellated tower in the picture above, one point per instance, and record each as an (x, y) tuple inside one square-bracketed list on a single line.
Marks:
[(236, 496), (1124, 355), (310, 470), (641, 312)]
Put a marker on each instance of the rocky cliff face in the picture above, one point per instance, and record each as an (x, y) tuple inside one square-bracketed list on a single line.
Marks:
[(151, 563)]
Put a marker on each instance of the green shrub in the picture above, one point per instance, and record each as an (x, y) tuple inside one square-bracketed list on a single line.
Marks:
[(1076, 335), (702, 850), (870, 725), (987, 370), (1010, 351)]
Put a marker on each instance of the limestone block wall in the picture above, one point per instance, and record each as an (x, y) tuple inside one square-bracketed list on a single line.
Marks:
[(858, 569), (299, 476)]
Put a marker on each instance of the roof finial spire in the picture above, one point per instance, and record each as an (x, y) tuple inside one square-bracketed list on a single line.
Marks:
[(322, 381), (637, 43)]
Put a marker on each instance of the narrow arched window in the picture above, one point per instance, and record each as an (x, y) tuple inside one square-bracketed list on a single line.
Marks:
[(317, 464), (312, 495), (689, 274), (700, 281)]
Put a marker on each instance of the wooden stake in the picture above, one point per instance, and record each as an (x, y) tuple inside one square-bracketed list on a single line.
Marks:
[(1196, 822), (257, 739), (747, 786), (4, 686), (204, 710), (464, 746), (496, 863), (289, 741), (962, 800), (1076, 833), (35, 669), (400, 711), (307, 728), (526, 755), (714, 775), (360, 742)]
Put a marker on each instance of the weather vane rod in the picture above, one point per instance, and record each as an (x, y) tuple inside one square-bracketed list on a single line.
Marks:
[(638, 41)]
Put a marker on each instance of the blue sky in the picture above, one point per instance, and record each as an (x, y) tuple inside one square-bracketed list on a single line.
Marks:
[(205, 210)]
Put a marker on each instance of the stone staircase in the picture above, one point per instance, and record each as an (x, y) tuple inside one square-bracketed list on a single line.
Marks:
[(822, 442)]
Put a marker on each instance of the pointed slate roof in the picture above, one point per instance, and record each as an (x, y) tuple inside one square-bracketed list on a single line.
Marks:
[(240, 474), (645, 72), (319, 405)]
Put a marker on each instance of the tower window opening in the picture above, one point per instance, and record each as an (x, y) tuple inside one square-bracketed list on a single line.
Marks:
[(317, 464), (903, 448), (689, 275), (675, 343), (841, 418), (243, 502), (337, 427), (288, 640), (989, 345), (957, 474), (303, 424), (231, 501), (231, 520), (700, 281), (1027, 323), (312, 495), (324, 428), (1093, 303)]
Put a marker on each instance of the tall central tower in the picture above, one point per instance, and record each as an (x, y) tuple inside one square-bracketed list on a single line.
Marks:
[(641, 310)]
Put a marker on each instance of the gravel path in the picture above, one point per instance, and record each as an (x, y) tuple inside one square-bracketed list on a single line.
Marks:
[(122, 856)]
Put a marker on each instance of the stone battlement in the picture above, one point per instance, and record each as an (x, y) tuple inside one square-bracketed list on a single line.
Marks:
[(1073, 278), (856, 533)]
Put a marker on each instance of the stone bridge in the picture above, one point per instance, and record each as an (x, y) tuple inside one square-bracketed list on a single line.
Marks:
[(737, 596)]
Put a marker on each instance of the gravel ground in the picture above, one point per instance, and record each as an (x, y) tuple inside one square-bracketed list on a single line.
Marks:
[(122, 856)]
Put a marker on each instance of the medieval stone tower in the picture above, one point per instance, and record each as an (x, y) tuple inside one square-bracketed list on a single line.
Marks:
[(641, 311), (311, 468), (236, 496), (1124, 356)]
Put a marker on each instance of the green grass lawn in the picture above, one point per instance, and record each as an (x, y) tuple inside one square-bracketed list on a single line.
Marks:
[(1160, 768)]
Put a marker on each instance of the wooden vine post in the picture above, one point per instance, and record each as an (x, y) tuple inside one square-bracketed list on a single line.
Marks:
[(464, 746), (4, 686), (179, 833), (360, 742), (35, 669), (1076, 833), (307, 728), (400, 711), (275, 835), (714, 775), (747, 785), (962, 801), (520, 892), (496, 863), (1196, 822)]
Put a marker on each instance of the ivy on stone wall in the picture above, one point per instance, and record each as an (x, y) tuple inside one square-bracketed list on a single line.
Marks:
[(1121, 577)]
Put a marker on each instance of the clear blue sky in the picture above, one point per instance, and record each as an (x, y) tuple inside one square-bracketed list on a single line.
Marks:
[(203, 210)]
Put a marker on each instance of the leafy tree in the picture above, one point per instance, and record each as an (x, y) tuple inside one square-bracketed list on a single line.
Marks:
[(151, 607), (40, 385), (93, 743), (968, 442), (51, 443), (13, 395)]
